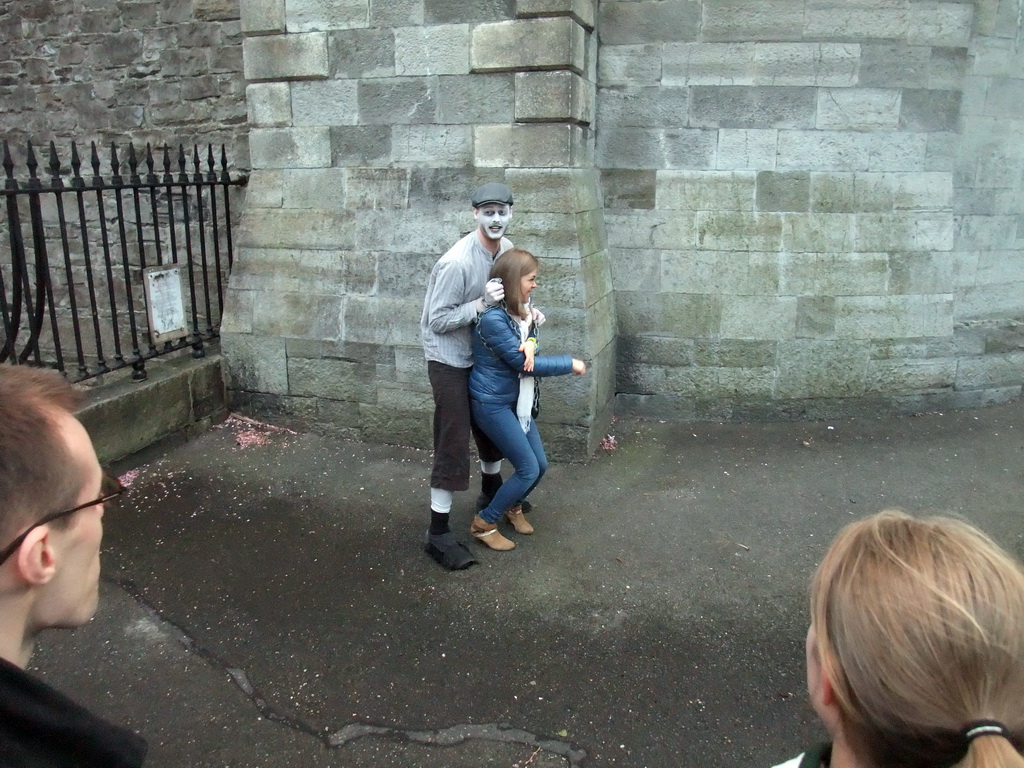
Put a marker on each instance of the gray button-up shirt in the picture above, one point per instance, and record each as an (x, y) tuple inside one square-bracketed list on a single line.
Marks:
[(449, 310)]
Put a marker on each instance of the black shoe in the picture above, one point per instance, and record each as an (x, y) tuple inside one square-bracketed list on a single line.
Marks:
[(448, 551), (489, 485), (482, 501)]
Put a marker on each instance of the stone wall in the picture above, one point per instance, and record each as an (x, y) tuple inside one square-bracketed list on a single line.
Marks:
[(744, 210), (371, 123), (988, 200), (812, 208), (144, 71)]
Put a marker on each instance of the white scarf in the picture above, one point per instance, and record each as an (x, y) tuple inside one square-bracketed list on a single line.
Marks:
[(524, 406)]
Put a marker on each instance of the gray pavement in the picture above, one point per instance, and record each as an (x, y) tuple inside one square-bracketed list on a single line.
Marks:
[(266, 601)]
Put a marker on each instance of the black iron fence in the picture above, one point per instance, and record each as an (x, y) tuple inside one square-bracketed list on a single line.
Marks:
[(107, 272)]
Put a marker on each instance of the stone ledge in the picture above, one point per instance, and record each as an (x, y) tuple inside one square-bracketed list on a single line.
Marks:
[(286, 57), (262, 17), (559, 96), (528, 44), (182, 396), (583, 12)]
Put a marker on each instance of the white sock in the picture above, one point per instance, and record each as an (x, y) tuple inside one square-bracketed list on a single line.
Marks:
[(490, 467), (441, 501)]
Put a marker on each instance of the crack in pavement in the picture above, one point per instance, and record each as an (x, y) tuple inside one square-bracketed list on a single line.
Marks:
[(443, 737), (456, 734)]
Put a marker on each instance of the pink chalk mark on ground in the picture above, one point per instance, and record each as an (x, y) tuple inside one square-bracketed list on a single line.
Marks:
[(129, 477), (250, 432)]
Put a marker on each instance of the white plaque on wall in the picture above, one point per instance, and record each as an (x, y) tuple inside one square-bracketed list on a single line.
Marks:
[(165, 302)]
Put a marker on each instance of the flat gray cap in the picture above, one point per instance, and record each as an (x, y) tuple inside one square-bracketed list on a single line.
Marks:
[(492, 192)]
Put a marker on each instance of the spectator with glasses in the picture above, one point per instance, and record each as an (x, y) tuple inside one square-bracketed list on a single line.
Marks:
[(52, 498)]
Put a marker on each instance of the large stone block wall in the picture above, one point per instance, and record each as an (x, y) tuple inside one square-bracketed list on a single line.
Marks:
[(745, 210), (812, 208), (370, 124), (988, 196), (105, 71)]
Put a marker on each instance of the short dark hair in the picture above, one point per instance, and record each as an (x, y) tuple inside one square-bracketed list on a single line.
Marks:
[(38, 475), (512, 266)]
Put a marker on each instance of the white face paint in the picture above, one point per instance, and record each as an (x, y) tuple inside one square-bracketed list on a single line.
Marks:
[(492, 219)]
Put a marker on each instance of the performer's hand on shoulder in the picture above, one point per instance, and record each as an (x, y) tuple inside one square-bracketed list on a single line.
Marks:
[(494, 292)]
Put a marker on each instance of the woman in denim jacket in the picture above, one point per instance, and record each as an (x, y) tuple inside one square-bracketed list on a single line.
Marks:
[(501, 391)]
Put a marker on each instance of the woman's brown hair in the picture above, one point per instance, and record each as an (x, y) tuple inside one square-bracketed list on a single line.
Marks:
[(512, 266), (920, 628)]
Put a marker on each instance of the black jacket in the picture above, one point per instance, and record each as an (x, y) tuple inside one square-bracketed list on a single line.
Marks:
[(40, 727)]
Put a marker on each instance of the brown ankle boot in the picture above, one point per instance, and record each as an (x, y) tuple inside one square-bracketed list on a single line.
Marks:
[(488, 533), (515, 516)]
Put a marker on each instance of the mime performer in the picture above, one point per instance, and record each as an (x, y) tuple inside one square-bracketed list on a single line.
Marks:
[(457, 293)]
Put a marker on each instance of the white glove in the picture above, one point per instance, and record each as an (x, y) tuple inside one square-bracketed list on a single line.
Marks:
[(494, 292), (538, 316)]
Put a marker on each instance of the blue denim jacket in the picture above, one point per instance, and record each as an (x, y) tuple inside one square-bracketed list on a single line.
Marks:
[(497, 361)]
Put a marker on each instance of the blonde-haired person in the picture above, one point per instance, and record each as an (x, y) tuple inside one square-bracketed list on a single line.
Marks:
[(915, 653), (501, 388)]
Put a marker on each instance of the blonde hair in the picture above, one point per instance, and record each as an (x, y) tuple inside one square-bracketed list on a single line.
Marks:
[(920, 627), (512, 266)]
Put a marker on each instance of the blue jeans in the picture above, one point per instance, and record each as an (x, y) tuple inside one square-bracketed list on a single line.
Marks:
[(522, 449)]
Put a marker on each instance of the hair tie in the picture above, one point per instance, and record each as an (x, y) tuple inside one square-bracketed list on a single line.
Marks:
[(985, 728)]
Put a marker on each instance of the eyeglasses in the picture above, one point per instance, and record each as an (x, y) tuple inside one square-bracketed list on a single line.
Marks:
[(110, 488)]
